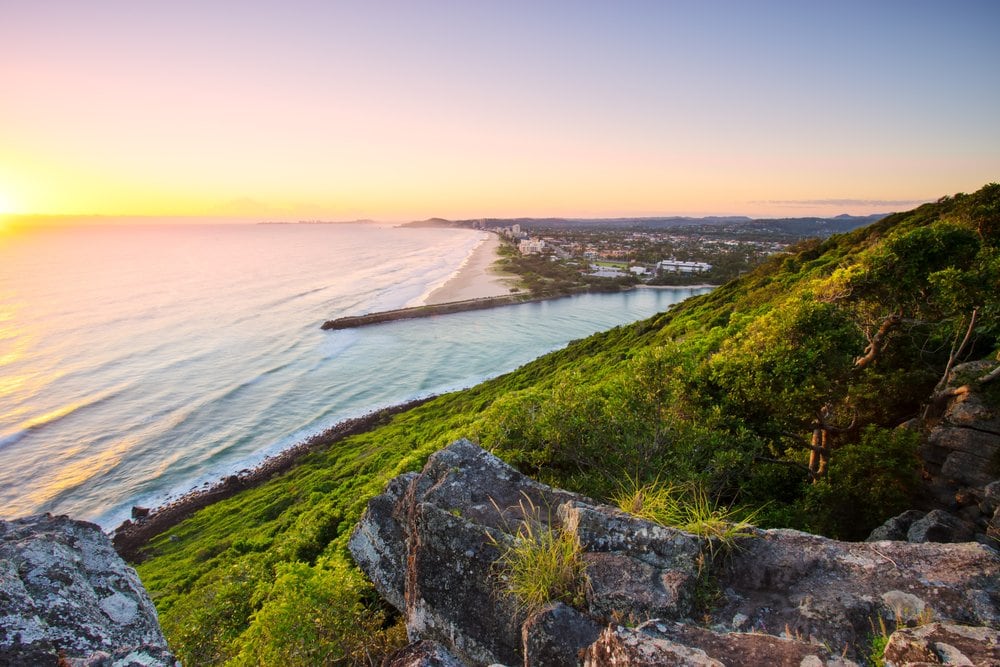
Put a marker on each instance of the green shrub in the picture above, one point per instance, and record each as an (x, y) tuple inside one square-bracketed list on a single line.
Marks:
[(868, 482), (316, 616)]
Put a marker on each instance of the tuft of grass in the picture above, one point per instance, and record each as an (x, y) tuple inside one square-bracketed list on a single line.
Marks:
[(878, 639), (543, 564), (688, 508)]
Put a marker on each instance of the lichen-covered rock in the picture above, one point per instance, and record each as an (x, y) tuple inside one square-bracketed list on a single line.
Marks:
[(793, 583), (943, 644), (65, 594), (663, 643), (379, 544)]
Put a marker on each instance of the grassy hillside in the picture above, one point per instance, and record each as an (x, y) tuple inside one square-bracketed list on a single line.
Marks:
[(778, 391)]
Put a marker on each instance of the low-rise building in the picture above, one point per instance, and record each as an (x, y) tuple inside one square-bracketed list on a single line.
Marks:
[(531, 246), (677, 266)]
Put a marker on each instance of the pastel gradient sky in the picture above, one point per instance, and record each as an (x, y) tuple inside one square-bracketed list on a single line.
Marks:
[(406, 109)]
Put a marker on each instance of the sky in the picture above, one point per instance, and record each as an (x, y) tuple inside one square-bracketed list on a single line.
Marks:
[(402, 110)]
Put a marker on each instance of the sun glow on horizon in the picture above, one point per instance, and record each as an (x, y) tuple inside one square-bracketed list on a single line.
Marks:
[(552, 109), (7, 206)]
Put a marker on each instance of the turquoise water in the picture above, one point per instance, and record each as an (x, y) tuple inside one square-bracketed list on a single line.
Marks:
[(138, 363)]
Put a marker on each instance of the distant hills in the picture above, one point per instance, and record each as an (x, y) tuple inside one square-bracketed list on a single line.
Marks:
[(808, 226)]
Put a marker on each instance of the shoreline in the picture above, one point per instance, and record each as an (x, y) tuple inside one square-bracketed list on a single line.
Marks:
[(133, 534), (476, 277)]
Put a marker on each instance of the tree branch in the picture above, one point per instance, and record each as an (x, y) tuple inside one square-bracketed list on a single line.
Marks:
[(877, 341), (990, 377), (956, 353)]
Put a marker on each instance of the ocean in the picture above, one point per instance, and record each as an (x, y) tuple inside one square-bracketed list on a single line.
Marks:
[(140, 362)]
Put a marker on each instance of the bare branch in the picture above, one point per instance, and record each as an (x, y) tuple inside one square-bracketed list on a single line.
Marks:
[(876, 342), (990, 377), (822, 423), (956, 352)]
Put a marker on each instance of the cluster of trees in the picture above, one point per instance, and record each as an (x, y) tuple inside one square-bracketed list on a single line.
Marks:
[(781, 391)]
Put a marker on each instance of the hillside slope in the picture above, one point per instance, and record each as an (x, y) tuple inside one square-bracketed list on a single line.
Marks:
[(780, 391)]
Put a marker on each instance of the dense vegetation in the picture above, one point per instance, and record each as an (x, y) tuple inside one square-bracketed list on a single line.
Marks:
[(780, 391)]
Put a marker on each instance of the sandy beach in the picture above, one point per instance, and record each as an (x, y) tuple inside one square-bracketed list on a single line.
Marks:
[(476, 278)]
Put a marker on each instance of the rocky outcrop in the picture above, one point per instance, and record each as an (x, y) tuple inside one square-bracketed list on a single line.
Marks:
[(961, 464), (66, 598), (653, 596), (943, 644)]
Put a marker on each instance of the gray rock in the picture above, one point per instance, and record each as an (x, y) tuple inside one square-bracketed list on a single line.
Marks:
[(896, 527), (449, 521), (378, 544), (557, 635), (940, 526), (943, 644), (637, 569), (959, 456), (822, 590), (64, 592)]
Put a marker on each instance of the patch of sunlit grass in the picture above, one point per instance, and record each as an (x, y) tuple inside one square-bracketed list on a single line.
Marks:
[(688, 508)]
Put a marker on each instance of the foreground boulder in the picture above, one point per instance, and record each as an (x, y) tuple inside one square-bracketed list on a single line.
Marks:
[(943, 644), (431, 544), (66, 598)]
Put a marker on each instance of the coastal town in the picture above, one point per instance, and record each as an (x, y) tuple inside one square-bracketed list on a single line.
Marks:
[(698, 252)]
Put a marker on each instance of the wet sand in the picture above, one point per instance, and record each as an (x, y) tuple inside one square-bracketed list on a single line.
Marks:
[(476, 278)]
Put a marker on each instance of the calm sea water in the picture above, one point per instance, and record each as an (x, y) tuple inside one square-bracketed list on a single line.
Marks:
[(137, 363)]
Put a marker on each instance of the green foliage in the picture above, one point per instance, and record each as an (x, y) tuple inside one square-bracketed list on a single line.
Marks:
[(315, 616), (877, 641), (868, 481), (542, 564), (205, 628), (720, 392)]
